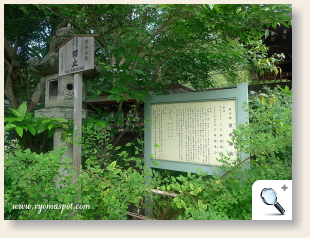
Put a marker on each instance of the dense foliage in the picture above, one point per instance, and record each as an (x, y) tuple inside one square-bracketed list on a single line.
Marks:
[(40, 187), (110, 190), (32, 132), (140, 48), (27, 33)]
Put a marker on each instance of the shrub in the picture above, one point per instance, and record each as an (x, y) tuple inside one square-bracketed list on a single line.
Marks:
[(110, 186), (29, 180)]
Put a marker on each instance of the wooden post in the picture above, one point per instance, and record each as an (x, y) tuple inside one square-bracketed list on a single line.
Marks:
[(77, 132), (75, 56)]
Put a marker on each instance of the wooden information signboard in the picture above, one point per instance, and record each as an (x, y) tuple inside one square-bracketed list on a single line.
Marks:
[(75, 56), (191, 130)]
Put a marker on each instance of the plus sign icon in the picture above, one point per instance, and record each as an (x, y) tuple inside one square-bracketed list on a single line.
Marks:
[(272, 200), (284, 187)]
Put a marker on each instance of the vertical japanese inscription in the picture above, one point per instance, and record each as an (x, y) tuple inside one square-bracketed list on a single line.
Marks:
[(193, 132), (77, 55)]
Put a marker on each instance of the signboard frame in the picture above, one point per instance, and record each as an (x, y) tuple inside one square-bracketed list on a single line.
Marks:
[(76, 55), (239, 94)]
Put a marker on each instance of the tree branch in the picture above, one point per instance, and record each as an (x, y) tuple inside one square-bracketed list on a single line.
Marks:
[(9, 56), (235, 166), (36, 95)]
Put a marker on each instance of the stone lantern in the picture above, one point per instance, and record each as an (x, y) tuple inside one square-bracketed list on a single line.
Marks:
[(59, 94), (59, 103), (59, 97)]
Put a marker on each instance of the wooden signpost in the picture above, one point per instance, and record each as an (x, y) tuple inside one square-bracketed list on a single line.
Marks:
[(76, 56)]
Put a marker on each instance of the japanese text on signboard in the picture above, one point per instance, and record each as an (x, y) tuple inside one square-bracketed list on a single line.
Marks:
[(77, 55), (193, 132)]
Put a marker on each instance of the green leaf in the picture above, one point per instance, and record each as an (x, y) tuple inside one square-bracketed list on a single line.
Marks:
[(64, 135), (101, 123), (111, 96), (111, 166), (198, 190), (22, 109), (96, 126), (19, 131), (274, 25), (128, 144), (178, 204), (118, 98), (284, 24), (51, 132), (16, 112), (155, 163), (177, 199), (201, 205), (122, 153), (217, 9), (60, 120), (192, 186), (120, 122), (50, 125), (157, 145), (11, 119), (9, 126), (31, 129), (42, 127), (90, 124)]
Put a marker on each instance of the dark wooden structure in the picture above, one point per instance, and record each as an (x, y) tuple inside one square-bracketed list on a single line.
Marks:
[(278, 41), (111, 106), (178, 88)]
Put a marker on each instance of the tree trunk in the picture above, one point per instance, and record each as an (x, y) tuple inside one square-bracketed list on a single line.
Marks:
[(13, 85), (13, 90), (35, 98)]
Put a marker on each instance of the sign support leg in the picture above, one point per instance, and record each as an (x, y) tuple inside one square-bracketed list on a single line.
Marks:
[(77, 129)]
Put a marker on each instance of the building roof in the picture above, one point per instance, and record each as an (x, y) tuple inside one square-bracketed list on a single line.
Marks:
[(172, 88)]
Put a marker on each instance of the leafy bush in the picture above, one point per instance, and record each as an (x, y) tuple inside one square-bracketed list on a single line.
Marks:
[(32, 132), (30, 180), (112, 177), (111, 191), (115, 181)]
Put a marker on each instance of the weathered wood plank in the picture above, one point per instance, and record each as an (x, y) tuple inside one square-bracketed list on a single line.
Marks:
[(77, 150)]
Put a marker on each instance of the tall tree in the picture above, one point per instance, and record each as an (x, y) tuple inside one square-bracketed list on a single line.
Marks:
[(26, 33), (144, 46)]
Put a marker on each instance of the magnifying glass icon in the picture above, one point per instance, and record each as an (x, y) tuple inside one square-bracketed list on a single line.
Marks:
[(269, 197)]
